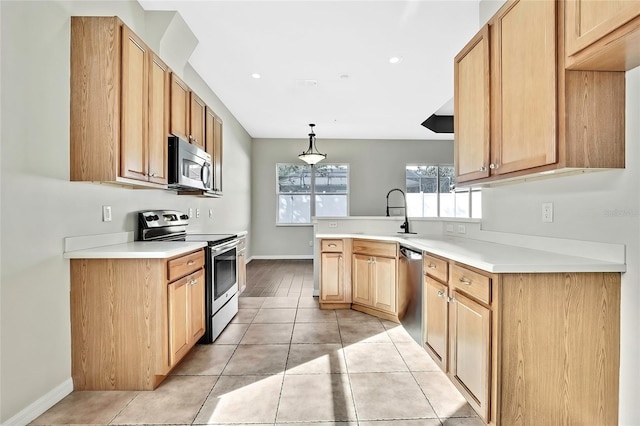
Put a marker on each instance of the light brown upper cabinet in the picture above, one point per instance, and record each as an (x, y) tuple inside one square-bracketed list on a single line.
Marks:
[(471, 124), (602, 35), (118, 113), (213, 145), (542, 119), (187, 113)]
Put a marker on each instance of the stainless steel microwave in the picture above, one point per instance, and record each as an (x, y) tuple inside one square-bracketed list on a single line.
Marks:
[(189, 166)]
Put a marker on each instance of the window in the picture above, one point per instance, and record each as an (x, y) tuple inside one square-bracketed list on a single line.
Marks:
[(327, 185), (431, 193)]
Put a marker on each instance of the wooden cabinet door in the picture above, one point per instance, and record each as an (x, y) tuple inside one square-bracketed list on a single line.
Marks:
[(159, 89), (242, 271), (197, 120), (178, 320), (362, 279), (524, 87), (384, 284), (587, 21), (472, 106), (180, 102), (133, 141), (469, 346), (195, 289), (213, 145), (217, 154), (436, 319), (332, 277)]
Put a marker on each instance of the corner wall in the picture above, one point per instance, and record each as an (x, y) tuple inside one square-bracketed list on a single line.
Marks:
[(39, 206), (375, 167)]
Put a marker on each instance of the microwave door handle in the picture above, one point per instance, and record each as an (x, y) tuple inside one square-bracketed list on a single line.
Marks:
[(205, 175)]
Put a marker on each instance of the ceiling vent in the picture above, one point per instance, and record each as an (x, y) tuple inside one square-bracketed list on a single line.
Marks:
[(439, 123)]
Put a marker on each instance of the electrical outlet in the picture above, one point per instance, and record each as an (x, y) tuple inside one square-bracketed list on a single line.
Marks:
[(449, 228), (333, 224), (190, 213), (106, 213), (197, 212), (547, 212), (210, 213), (462, 229)]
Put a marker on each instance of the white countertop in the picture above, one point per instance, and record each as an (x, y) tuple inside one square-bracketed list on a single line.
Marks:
[(493, 257), (137, 250)]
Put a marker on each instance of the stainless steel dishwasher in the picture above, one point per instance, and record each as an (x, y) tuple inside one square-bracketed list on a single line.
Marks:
[(410, 292)]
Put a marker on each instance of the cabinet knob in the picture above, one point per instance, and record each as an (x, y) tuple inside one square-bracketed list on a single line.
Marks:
[(190, 263), (431, 266), (483, 168), (440, 293), (193, 282), (332, 245), (494, 166), (464, 281)]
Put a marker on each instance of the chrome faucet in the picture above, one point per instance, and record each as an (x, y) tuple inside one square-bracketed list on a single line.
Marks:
[(405, 225)]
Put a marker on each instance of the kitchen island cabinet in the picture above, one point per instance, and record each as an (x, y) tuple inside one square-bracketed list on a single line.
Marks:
[(335, 271), (133, 319)]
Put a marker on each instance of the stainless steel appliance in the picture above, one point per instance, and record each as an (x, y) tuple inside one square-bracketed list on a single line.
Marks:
[(410, 271), (221, 291), (190, 167), (221, 266)]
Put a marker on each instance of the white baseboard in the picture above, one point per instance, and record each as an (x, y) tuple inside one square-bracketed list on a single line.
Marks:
[(42, 404), (283, 256)]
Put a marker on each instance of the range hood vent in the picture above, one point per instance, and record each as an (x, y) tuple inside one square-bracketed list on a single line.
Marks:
[(439, 123)]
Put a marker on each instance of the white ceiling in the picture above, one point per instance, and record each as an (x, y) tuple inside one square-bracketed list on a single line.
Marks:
[(342, 46)]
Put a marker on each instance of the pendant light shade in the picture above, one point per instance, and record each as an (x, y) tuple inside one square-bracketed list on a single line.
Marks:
[(312, 155)]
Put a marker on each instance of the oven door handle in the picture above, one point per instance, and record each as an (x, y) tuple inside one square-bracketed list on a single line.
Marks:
[(224, 247)]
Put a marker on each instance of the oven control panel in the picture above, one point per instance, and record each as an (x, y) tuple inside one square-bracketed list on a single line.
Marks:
[(162, 218)]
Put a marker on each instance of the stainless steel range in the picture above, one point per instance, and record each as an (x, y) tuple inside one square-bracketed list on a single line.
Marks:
[(221, 267)]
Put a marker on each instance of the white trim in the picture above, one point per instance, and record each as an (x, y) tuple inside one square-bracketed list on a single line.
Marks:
[(42, 404), (282, 256)]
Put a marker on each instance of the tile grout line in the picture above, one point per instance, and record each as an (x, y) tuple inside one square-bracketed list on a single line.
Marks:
[(284, 372), (346, 367)]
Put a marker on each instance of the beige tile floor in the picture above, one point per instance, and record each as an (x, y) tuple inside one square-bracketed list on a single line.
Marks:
[(282, 360)]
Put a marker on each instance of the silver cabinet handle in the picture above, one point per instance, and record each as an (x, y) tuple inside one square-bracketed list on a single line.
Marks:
[(464, 281), (332, 245), (494, 166), (191, 262), (193, 282), (432, 266), (483, 168), (440, 293)]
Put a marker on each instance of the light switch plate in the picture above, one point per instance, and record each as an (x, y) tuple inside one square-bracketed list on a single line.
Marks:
[(547, 212), (106, 213)]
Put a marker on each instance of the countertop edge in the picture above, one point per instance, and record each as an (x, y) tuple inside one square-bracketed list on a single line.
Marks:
[(589, 265), (125, 251)]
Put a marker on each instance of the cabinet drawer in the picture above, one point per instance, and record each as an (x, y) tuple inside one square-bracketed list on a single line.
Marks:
[(375, 248), (435, 267), (471, 282), (184, 265), (332, 245)]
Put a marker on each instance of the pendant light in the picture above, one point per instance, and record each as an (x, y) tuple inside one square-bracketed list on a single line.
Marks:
[(312, 155)]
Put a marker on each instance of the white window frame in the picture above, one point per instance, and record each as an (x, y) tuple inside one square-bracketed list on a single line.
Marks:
[(469, 190), (312, 193)]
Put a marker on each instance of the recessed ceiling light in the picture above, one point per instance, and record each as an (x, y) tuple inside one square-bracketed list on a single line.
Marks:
[(255, 75), (395, 59), (344, 76)]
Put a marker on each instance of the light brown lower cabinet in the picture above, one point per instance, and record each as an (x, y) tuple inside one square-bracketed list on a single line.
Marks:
[(335, 270), (133, 320), (528, 349)]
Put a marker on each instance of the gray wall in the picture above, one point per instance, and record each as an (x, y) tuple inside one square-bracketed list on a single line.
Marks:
[(375, 167), (39, 206)]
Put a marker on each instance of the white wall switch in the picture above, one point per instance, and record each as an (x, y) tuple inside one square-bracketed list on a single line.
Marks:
[(190, 213), (106, 213), (462, 229), (547, 212), (311, 243), (333, 224)]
